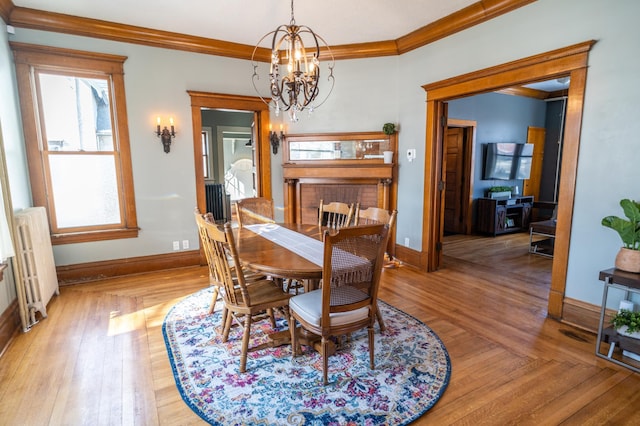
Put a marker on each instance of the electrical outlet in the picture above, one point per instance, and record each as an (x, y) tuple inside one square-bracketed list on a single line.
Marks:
[(406, 241), (185, 244), (176, 245)]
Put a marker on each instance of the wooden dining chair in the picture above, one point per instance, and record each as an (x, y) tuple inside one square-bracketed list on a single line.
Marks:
[(347, 301), (214, 279), (244, 302), (375, 215), (254, 210), (335, 215)]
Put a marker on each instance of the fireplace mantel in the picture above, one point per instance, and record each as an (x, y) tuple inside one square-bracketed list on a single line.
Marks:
[(339, 171)]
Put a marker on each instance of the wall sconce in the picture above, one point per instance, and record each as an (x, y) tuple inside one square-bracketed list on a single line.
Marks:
[(275, 138), (166, 135)]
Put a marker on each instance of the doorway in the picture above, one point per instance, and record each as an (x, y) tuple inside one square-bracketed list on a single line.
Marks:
[(259, 117), (459, 170), (570, 61)]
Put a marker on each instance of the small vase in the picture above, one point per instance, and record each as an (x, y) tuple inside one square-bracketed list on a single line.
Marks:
[(628, 260)]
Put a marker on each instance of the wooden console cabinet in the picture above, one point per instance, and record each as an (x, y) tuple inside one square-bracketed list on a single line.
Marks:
[(503, 215)]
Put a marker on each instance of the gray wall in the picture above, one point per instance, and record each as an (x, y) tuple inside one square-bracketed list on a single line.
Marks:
[(369, 93)]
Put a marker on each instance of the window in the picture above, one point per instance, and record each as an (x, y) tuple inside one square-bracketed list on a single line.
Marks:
[(76, 134)]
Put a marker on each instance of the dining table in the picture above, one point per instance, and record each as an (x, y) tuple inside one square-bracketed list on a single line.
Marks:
[(283, 250), (286, 251)]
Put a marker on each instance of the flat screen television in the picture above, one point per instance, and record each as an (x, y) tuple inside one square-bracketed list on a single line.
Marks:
[(507, 161)]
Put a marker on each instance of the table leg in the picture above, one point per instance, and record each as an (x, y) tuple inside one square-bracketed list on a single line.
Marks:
[(305, 337), (311, 284)]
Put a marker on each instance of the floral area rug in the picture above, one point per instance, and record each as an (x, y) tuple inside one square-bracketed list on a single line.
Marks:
[(412, 371)]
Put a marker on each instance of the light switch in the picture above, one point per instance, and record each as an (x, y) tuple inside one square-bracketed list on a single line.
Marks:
[(411, 154)]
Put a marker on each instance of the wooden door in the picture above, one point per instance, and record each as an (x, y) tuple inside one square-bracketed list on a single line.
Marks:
[(531, 186), (455, 174)]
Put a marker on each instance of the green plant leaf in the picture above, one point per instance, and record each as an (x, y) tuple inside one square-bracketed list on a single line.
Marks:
[(631, 210), (628, 229), (625, 229), (629, 318)]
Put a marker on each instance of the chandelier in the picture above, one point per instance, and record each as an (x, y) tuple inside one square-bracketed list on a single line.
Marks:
[(294, 70)]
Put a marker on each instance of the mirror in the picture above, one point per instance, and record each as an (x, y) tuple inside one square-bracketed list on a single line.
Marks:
[(337, 147)]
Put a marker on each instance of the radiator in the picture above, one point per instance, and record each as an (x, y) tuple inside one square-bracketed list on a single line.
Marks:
[(218, 202), (39, 279)]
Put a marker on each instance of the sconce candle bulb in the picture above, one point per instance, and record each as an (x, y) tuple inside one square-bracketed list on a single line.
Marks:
[(165, 134)]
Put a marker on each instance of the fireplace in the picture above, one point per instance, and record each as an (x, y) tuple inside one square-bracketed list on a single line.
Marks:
[(347, 167), (344, 167), (311, 194)]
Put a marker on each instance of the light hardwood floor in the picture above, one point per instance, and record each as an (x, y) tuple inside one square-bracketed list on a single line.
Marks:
[(99, 358)]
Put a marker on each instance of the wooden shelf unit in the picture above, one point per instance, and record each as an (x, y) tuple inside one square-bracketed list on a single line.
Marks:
[(503, 215)]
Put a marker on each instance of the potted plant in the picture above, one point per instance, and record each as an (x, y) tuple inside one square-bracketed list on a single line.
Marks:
[(389, 128), (628, 258), (499, 192), (627, 323)]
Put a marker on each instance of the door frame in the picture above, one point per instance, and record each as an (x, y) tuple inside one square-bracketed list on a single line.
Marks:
[(201, 100), (569, 61)]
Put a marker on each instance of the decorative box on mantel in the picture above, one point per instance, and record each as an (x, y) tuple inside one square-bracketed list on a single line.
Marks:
[(345, 167)]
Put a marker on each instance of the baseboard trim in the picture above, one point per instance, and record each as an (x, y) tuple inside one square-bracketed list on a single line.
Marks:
[(82, 272), (9, 325), (584, 315), (411, 257)]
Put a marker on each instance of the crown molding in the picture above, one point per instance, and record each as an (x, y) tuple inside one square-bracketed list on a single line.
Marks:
[(472, 15), (5, 9)]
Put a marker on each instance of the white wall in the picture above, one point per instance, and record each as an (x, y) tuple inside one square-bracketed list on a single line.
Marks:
[(370, 92)]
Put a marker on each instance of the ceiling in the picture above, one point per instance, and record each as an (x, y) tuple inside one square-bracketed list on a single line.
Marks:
[(246, 21), (551, 85)]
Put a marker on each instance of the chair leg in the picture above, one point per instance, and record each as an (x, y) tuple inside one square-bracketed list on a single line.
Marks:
[(272, 315), (325, 359), (279, 282), (245, 343), (294, 336), (227, 326), (214, 299), (223, 318), (379, 318), (371, 347)]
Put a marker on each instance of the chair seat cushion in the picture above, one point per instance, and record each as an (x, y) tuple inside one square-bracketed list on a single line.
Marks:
[(308, 306)]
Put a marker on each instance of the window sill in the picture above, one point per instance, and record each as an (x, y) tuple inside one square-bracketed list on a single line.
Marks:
[(85, 237)]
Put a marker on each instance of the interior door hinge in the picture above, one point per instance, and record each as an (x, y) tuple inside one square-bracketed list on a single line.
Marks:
[(443, 121), (439, 246), (441, 185)]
